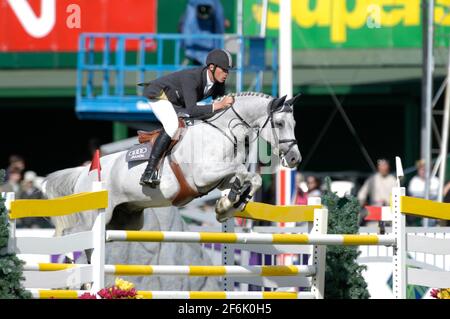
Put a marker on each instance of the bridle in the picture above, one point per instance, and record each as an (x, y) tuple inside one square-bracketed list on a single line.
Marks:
[(269, 119), (270, 112)]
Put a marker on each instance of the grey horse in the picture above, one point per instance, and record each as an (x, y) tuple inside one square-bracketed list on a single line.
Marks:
[(211, 154)]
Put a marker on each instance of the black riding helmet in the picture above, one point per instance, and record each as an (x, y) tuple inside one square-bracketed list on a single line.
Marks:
[(221, 58)]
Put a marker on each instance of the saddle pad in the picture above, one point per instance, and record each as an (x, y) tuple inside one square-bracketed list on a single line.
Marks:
[(139, 152)]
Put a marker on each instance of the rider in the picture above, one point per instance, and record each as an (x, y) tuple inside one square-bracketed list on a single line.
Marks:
[(180, 92)]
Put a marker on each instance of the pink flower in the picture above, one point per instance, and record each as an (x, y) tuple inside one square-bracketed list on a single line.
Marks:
[(87, 295), (434, 293), (121, 290), (443, 293)]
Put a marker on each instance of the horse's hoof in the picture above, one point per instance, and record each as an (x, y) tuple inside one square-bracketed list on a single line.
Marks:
[(224, 209), (221, 218), (223, 205)]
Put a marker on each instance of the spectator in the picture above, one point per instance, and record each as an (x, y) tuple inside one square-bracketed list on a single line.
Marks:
[(12, 183), (416, 188), (29, 189), (313, 184), (16, 161), (202, 17), (376, 190), (447, 193), (301, 192), (446, 199)]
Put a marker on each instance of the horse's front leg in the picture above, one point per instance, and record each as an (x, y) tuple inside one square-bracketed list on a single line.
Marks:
[(243, 186), (254, 182)]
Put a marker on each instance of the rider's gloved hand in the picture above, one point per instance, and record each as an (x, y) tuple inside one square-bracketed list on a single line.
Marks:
[(225, 102)]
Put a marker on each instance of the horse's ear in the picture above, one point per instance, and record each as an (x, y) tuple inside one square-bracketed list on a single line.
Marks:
[(293, 100), (278, 102)]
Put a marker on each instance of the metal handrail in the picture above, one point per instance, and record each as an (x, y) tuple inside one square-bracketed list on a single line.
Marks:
[(104, 55)]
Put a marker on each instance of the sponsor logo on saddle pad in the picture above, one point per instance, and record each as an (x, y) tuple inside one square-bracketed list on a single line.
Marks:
[(140, 152)]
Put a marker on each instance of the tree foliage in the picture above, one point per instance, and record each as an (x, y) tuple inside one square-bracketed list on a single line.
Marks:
[(343, 276), (11, 267)]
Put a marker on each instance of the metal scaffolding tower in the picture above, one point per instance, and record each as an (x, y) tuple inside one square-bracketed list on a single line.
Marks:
[(431, 116)]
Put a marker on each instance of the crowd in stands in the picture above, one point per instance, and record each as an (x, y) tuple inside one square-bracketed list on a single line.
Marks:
[(25, 184)]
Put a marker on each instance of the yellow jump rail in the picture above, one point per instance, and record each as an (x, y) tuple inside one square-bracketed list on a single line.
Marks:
[(59, 206), (425, 208), (278, 214)]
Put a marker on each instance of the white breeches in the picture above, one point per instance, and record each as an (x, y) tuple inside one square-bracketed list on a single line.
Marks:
[(165, 113)]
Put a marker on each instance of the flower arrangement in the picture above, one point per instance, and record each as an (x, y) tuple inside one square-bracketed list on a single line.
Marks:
[(443, 293), (122, 289)]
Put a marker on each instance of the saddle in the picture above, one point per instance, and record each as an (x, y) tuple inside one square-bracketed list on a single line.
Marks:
[(150, 137), (186, 192)]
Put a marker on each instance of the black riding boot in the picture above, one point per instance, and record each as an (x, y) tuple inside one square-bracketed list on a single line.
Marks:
[(150, 175)]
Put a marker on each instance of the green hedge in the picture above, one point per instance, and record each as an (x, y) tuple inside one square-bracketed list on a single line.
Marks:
[(343, 276), (11, 267)]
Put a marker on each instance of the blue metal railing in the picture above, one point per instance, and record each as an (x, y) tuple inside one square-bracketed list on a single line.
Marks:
[(102, 68)]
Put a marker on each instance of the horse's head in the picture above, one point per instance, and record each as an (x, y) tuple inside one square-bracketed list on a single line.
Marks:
[(279, 131)]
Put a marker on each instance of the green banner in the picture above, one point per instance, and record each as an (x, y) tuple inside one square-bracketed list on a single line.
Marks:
[(351, 23)]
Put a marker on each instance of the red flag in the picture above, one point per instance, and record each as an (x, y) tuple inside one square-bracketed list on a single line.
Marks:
[(374, 213), (95, 164)]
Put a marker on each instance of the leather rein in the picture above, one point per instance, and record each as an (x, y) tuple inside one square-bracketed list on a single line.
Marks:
[(244, 122)]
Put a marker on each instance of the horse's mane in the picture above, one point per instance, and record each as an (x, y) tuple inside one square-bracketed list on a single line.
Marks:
[(245, 94)]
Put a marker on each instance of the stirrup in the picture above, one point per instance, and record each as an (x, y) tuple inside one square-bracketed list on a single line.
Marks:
[(147, 179)]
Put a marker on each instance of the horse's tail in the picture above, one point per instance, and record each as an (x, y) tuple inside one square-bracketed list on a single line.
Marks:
[(62, 183)]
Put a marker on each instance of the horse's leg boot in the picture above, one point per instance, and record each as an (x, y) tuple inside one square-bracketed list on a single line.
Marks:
[(150, 176)]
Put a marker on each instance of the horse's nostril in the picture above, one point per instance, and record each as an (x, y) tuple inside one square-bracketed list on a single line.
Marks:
[(293, 159)]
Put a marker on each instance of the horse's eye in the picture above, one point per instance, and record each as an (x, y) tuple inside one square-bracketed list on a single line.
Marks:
[(279, 124)]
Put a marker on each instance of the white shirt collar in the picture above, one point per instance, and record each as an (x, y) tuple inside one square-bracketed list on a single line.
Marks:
[(209, 83)]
